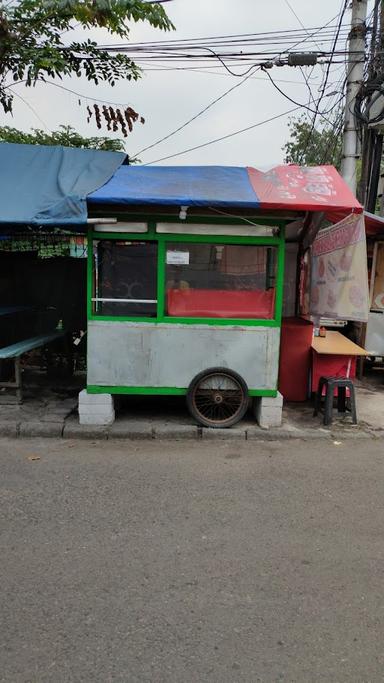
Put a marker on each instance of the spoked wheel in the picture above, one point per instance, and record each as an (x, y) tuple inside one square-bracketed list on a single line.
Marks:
[(217, 398)]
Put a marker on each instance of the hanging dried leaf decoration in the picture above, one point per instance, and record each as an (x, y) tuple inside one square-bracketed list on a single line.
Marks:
[(121, 122), (107, 116), (115, 118), (112, 115), (97, 115)]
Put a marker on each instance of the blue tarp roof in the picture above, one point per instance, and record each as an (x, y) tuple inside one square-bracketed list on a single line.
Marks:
[(42, 185), (225, 186)]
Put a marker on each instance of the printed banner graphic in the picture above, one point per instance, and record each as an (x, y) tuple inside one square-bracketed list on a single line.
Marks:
[(339, 277)]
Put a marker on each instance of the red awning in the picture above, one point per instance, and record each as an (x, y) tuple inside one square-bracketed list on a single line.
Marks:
[(312, 188)]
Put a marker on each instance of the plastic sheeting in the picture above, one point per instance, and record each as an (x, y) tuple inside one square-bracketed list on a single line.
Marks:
[(42, 185), (225, 186), (318, 188)]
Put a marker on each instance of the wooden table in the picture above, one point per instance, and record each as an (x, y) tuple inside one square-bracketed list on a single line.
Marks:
[(334, 355)]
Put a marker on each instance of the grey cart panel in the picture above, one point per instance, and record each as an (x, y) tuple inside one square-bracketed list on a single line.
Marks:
[(170, 355)]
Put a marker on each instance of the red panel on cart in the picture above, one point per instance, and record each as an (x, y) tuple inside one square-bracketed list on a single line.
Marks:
[(221, 303), (295, 358)]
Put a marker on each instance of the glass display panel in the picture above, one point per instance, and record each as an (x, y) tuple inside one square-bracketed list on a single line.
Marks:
[(125, 278), (220, 281)]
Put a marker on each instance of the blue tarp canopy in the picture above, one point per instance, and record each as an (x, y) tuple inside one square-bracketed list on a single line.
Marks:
[(42, 185), (284, 187), (225, 186)]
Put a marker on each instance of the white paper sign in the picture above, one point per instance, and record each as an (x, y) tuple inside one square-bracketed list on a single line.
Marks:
[(177, 258)]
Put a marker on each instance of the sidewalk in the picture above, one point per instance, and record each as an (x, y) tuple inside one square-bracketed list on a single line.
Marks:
[(48, 412)]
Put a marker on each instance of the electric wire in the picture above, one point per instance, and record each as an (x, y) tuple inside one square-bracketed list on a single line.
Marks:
[(299, 20), (306, 79), (27, 104), (300, 105), (325, 80), (193, 118), (224, 137), (88, 98), (315, 111), (267, 36)]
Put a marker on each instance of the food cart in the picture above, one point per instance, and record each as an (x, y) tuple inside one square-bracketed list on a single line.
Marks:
[(185, 284)]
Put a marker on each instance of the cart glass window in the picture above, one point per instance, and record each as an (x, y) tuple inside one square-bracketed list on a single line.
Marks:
[(220, 281), (125, 278)]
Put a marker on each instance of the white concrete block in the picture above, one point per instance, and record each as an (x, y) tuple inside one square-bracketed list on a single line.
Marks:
[(98, 415), (97, 419), (273, 401), (268, 411), (272, 418), (95, 399), (96, 409)]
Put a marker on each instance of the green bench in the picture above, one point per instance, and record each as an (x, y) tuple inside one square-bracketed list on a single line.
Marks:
[(15, 351)]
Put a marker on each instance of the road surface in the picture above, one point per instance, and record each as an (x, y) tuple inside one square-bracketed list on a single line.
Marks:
[(184, 562)]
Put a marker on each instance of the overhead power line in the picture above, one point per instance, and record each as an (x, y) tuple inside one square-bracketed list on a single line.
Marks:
[(218, 99), (325, 80), (315, 111), (224, 137), (90, 98), (300, 22), (232, 51), (268, 36), (196, 116)]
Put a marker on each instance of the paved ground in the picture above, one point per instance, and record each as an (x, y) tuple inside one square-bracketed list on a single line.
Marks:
[(184, 562), (50, 410)]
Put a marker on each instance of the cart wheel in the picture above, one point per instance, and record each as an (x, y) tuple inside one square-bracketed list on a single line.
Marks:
[(218, 398)]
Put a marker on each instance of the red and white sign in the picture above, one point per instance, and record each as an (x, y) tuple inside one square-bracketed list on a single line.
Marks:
[(339, 277), (307, 188)]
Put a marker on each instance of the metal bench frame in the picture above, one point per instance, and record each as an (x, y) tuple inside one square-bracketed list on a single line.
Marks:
[(15, 351)]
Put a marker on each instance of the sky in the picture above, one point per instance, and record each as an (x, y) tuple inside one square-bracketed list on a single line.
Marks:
[(169, 98)]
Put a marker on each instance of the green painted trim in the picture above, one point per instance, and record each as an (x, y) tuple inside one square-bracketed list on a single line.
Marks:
[(89, 274), (143, 391), (280, 280), (160, 391), (263, 392), (239, 322), (151, 227), (160, 280)]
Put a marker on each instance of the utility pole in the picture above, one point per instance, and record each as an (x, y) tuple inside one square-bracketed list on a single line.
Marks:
[(355, 77)]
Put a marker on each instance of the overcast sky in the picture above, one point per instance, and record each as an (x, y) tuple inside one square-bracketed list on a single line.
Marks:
[(168, 98)]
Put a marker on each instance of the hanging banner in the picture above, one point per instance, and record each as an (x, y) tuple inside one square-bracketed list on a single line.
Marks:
[(339, 276)]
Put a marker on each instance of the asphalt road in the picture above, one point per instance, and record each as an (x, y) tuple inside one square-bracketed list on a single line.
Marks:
[(186, 562)]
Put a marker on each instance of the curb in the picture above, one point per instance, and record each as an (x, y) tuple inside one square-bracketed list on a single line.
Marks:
[(45, 429), (136, 430)]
